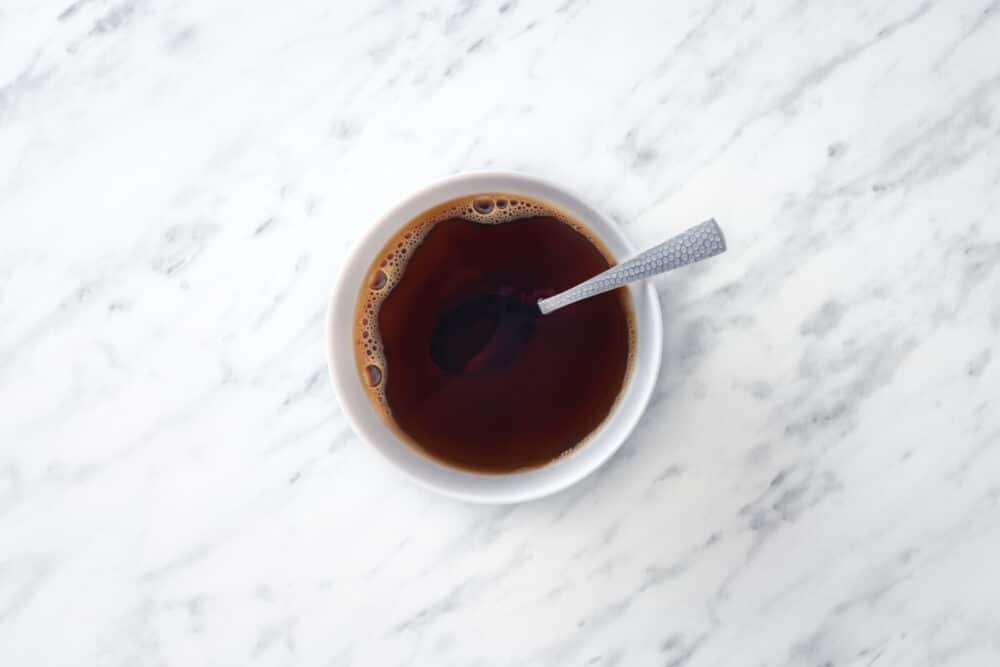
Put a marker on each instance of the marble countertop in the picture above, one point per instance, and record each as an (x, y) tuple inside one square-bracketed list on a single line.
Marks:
[(816, 482)]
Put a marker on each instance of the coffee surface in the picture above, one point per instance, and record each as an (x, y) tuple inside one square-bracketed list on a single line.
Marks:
[(512, 391)]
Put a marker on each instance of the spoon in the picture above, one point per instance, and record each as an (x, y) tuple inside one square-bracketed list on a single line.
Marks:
[(488, 330)]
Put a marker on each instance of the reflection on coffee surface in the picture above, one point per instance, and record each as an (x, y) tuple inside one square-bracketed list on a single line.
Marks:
[(453, 353)]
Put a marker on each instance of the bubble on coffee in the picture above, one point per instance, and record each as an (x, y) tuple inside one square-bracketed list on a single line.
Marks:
[(388, 268)]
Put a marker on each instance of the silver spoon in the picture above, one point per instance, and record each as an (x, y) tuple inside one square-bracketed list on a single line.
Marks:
[(700, 242), (488, 330)]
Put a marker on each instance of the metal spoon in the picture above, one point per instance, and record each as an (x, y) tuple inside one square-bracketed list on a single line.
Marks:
[(700, 242), (489, 330)]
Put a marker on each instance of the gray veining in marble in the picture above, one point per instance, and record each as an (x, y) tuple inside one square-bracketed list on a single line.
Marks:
[(816, 482)]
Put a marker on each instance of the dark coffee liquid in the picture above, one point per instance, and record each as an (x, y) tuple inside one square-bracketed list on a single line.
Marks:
[(507, 389)]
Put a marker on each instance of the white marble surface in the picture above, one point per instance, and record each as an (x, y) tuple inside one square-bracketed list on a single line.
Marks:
[(817, 482)]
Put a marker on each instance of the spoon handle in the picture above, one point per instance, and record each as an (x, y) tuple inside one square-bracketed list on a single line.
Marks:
[(700, 242)]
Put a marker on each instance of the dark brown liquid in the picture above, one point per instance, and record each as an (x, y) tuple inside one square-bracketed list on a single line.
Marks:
[(541, 384)]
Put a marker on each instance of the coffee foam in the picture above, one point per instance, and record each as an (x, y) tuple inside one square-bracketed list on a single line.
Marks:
[(387, 270)]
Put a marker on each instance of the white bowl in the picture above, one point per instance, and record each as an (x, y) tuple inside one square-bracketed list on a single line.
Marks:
[(462, 484)]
